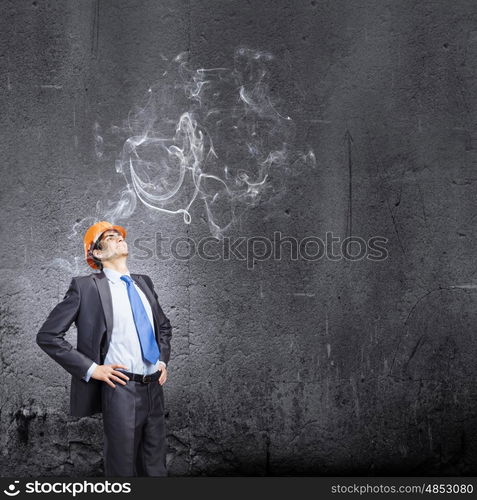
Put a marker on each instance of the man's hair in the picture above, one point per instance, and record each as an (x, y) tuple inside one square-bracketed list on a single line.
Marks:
[(96, 246)]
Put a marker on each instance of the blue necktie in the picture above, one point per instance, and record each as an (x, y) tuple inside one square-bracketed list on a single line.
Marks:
[(145, 331)]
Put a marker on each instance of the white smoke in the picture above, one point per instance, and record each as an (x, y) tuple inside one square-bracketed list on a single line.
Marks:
[(213, 135)]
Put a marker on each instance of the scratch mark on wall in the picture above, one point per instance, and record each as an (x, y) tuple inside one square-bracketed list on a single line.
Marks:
[(349, 141), (95, 30), (381, 182)]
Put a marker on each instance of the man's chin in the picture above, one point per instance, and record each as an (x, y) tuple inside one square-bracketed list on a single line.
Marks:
[(118, 255)]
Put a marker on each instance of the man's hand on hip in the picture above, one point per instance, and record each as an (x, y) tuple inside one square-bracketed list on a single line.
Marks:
[(108, 373), (163, 376)]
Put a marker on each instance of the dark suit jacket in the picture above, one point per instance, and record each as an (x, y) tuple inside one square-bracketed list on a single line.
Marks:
[(88, 303)]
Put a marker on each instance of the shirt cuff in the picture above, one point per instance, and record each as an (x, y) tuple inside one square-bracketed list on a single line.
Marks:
[(90, 372), (161, 363)]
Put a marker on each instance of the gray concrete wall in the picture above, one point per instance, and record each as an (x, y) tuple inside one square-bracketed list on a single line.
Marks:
[(294, 366)]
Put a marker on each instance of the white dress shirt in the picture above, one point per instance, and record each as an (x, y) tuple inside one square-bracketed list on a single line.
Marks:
[(124, 347)]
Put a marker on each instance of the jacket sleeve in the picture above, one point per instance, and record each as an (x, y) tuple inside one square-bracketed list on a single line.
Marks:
[(165, 328), (51, 336)]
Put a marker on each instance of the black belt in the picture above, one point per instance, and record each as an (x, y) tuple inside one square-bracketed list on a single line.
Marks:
[(145, 379)]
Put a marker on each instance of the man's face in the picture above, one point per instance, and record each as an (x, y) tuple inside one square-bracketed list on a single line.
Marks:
[(113, 245)]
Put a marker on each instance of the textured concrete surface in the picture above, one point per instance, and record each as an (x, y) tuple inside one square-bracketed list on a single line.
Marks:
[(293, 367)]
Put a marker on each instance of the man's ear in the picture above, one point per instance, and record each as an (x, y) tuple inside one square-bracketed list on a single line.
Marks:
[(95, 254)]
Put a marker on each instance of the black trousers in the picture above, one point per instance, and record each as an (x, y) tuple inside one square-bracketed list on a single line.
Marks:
[(134, 429)]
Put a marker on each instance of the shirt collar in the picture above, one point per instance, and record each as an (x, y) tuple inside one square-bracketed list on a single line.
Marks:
[(112, 275)]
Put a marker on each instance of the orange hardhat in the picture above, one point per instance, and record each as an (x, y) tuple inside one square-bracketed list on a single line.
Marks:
[(92, 235)]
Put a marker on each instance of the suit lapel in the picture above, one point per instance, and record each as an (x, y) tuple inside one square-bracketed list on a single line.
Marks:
[(106, 301)]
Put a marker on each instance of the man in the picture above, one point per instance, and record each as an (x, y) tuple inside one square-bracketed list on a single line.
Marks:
[(120, 362)]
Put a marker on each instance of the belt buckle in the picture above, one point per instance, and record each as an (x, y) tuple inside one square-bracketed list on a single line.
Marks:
[(144, 379)]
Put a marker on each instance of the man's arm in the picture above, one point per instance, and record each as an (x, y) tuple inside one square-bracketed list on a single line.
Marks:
[(51, 336), (165, 328)]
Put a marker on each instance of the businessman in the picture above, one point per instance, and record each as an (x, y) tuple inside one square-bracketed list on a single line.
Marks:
[(120, 363)]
